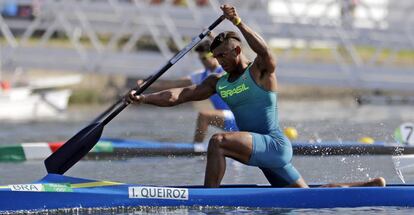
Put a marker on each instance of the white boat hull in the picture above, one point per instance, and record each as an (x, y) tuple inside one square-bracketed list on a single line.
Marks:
[(20, 104)]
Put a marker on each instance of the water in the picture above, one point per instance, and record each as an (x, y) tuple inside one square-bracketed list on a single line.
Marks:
[(236, 210), (327, 120)]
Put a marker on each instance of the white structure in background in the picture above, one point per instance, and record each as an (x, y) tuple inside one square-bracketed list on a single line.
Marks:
[(42, 98), (364, 13), (384, 26)]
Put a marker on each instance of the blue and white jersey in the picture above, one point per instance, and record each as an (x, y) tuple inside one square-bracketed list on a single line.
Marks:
[(198, 77)]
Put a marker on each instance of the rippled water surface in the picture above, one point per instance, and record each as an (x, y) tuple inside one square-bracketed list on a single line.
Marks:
[(325, 120)]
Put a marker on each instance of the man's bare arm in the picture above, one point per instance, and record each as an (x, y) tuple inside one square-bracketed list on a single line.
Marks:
[(178, 96), (264, 59)]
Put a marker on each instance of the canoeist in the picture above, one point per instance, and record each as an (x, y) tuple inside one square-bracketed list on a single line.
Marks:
[(220, 116), (249, 89)]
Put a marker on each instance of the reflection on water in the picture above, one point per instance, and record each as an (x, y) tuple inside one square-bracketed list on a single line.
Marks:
[(231, 210)]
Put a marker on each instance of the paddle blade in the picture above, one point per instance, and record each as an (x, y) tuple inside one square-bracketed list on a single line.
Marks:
[(74, 149)]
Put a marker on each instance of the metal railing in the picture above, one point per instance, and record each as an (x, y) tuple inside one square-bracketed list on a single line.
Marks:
[(327, 42)]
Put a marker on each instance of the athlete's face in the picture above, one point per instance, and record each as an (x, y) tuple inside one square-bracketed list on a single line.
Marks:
[(227, 56)]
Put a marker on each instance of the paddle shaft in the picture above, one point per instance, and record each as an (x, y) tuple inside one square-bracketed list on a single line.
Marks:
[(170, 63), (80, 144), (151, 79), (113, 106)]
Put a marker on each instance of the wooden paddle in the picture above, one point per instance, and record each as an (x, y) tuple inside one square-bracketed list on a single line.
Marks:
[(80, 144)]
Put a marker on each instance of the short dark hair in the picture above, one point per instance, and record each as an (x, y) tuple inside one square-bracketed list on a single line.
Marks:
[(204, 46), (224, 37)]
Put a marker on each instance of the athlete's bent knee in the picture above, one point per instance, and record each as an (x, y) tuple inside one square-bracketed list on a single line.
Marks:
[(216, 141)]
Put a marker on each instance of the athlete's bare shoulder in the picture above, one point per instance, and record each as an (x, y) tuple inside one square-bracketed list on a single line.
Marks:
[(210, 83), (212, 79)]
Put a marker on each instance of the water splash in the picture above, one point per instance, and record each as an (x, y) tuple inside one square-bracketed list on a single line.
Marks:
[(396, 161), (398, 151), (400, 175), (361, 169)]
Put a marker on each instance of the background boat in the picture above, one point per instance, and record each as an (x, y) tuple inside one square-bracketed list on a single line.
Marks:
[(37, 99)]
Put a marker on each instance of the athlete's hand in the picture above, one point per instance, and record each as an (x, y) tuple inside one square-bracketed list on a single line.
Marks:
[(229, 11), (132, 98)]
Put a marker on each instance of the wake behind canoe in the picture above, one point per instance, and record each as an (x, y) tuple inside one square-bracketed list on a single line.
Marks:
[(57, 192)]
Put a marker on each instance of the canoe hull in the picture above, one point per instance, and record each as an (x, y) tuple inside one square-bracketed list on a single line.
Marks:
[(95, 194), (230, 197)]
